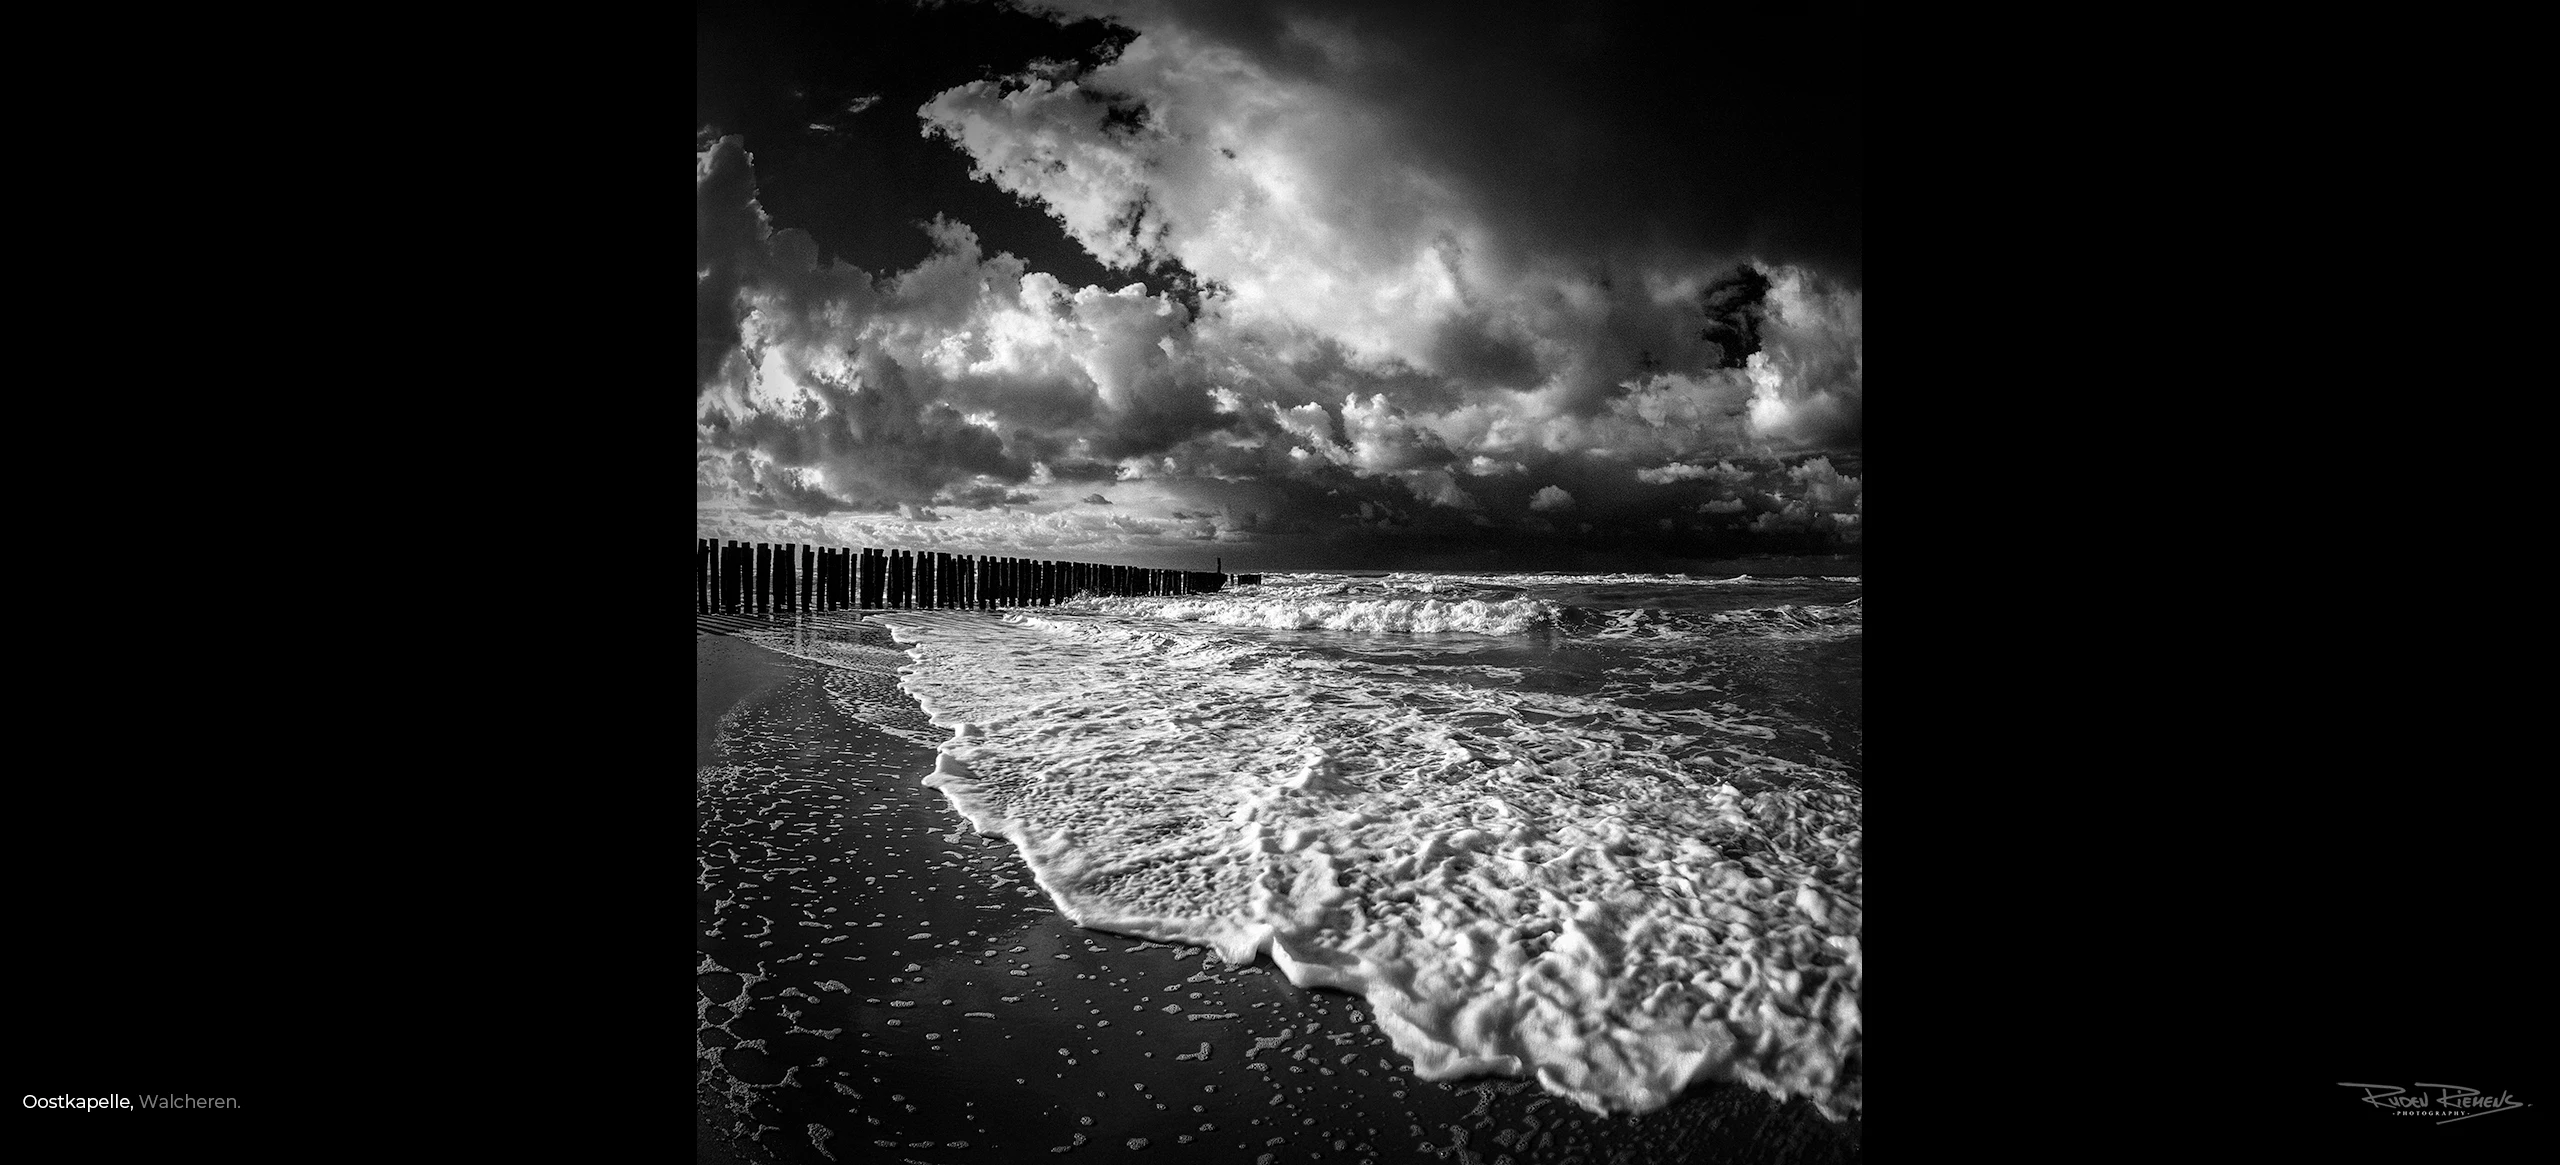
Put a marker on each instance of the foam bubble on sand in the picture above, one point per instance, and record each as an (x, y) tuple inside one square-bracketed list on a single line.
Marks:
[(1589, 895)]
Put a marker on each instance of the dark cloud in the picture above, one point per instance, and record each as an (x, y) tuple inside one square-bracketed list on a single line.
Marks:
[(1734, 313), (982, 497), (1608, 129)]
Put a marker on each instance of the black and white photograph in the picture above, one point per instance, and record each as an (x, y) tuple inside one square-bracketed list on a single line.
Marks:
[(1278, 582)]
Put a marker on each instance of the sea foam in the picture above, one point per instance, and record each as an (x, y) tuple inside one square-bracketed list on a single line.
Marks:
[(1335, 612), (1518, 882)]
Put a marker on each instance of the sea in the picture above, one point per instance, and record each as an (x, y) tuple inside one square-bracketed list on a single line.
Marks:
[(1596, 836), (1599, 831)]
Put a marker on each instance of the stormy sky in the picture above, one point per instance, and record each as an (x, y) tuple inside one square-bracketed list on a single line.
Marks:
[(1457, 286)]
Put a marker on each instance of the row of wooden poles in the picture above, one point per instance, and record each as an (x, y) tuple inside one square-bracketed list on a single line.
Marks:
[(737, 576)]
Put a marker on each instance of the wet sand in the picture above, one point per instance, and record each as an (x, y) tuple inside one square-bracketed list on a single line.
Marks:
[(874, 982)]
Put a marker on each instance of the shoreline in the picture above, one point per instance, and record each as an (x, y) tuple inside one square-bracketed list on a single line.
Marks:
[(873, 977)]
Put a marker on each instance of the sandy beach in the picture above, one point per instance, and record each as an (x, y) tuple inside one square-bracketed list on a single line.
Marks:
[(875, 982)]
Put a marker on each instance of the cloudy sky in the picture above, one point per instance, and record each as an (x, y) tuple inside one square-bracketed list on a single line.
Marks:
[(1326, 284)]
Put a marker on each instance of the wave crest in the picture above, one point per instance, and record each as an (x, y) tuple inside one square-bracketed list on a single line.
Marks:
[(1307, 612)]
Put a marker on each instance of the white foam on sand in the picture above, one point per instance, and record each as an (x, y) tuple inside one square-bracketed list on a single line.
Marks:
[(1518, 882)]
